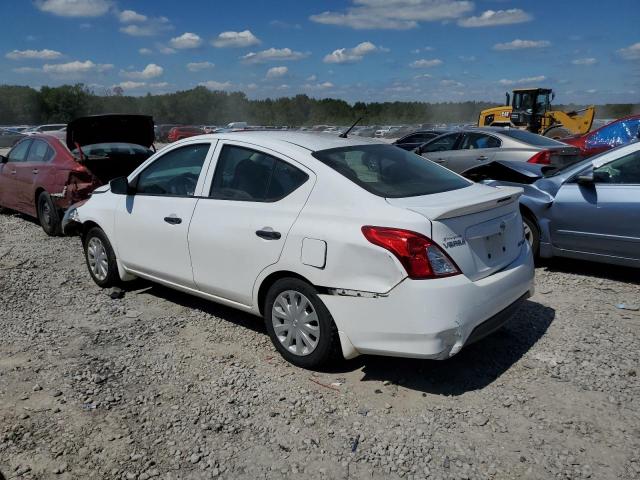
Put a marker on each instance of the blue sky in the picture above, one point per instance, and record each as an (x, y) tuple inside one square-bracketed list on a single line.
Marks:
[(369, 50)]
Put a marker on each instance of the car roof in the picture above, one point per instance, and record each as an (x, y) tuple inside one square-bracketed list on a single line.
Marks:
[(312, 141)]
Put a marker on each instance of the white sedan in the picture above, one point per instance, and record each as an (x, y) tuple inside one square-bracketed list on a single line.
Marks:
[(344, 245)]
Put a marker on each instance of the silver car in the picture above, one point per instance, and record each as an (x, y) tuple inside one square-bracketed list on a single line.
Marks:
[(461, 150), (588, 211)]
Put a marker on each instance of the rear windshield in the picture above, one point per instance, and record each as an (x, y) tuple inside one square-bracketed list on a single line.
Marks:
[(532, 138), (113, 149), (389, 171)]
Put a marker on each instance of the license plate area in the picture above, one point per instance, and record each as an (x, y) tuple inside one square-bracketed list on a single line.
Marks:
[(495, 248)]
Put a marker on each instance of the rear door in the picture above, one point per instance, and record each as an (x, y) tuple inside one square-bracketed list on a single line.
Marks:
[(241, 226), (9, 185), (151, 226), (439, 149), (473, 149), (602, 218)]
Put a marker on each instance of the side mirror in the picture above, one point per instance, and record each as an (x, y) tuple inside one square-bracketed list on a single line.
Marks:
[(120, 186), (585, 179)]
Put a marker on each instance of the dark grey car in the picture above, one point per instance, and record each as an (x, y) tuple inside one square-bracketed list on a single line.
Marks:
[(459, 151), (588, 211), (9, 137)]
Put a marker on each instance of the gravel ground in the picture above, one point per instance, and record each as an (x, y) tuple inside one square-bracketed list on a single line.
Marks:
[(158, 384)]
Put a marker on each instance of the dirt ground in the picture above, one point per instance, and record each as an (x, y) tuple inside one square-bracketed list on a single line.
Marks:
[(158, 384)]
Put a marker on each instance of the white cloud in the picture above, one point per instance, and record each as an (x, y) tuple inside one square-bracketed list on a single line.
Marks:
[(592, 90), (129, 85), (277, 72), (351, 55), (422, 77), (467, 58), (451, 83), (75, 8), (163, 49), (312, 78), (26, 70), (148, 28), (186, 40), (523, 81), (145, 51), (76, 68), (129, 16), (273, 54), (284, 86), (394, 14), (585, 61), (423, 63), (521, 44), (632, 52), (491, 18), (45, 54), (235, 39), (281, 24), (213, 85), (150, 71), (318, 86), (159, 85), (200, 66)]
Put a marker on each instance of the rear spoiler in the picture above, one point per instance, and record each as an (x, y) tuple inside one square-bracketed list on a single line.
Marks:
[(501, 196)]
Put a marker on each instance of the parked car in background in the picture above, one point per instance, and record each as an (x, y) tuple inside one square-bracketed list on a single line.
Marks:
[(468, 148), (162, 131), (42, 175), (416, 138), (178, 133), (327, 238), (9, 137), (589, 210), (52, 127), (618, 132)]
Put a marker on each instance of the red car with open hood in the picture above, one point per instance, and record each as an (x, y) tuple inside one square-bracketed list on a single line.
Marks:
[(43, 175)]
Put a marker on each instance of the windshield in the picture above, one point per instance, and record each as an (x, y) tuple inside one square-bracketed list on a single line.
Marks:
[(532, 138), (389, 171)]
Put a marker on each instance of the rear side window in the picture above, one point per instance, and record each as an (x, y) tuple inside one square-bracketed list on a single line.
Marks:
[(40, 152), (175, 173), (388, 171), (248, 175), (531, 138), (19, 152)]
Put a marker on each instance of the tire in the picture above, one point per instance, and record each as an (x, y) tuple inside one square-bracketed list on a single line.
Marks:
[(557, 133), (100, 258), (49, 215), (293, 291), (532, 234)]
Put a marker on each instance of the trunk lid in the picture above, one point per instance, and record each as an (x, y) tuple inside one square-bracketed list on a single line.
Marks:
[(563, 156), (479, 227), (113, 128)]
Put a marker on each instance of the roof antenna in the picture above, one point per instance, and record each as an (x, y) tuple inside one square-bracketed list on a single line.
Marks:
[(346, 132)]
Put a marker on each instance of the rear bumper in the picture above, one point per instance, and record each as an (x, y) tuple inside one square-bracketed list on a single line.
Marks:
[(431, 318)]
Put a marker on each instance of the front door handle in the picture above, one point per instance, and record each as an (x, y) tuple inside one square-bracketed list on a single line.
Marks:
[(35, 171), (482, 157), (173, 220), (439, 160), (268, 234), (13, 172)]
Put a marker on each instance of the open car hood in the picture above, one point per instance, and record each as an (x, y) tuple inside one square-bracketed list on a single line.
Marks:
[(113, 128)]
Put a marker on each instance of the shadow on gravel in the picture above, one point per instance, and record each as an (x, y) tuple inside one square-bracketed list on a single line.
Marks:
[(591, 269), (473, 368)]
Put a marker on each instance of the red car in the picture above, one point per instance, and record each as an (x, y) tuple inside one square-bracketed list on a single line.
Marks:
[(618, 132), (42, 176), (178, 133)]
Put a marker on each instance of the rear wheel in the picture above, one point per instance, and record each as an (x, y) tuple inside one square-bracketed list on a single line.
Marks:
[(49, 215), (557, 133), (100, 258), (299, 324), (531, 234)]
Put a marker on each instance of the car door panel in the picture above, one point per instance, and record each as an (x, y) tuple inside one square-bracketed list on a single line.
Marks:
[(9, 185), (440, 148), (472, 150), (233, 240)]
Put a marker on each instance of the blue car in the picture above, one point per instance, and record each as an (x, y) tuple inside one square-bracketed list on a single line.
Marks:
[(589, 210)]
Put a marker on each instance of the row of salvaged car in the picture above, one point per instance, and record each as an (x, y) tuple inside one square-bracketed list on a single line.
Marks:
[(344, 245)]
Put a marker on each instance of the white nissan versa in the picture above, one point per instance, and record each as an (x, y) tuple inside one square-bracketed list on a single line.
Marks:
[(343, 245)]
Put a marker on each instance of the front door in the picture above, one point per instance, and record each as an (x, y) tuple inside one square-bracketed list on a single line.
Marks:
[(241, 227), (440, 148), (473, 150), (151, 225)]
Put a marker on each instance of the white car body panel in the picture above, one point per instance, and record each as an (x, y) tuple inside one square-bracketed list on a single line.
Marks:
[(376, 307)]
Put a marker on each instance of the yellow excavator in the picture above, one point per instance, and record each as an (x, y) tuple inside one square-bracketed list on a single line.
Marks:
[(531, 110)]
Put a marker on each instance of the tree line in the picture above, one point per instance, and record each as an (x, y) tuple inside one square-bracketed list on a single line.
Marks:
[(26, 105)]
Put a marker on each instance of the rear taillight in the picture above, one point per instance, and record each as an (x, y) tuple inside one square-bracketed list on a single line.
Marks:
[(543, 157), (419, 255)]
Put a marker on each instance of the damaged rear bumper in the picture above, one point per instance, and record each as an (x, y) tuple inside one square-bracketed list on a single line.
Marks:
[(71, 224)]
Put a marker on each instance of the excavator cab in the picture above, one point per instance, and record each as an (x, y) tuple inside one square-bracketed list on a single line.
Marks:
[(530, 106)]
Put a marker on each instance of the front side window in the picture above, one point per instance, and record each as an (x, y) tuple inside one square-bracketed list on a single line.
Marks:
[(19, 152), (624, 170), (391, 172), (441, 144), (247, 175), (39, 152), (475, 141), (175, 173)]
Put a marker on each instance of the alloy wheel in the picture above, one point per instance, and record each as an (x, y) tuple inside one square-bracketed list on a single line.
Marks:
[(295, 322), (97, 257)]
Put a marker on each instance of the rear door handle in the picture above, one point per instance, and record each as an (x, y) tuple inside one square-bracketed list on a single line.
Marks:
[(13, 172), (173, 220), (268, 234), (482, 157), (35, 170), (439, 160)]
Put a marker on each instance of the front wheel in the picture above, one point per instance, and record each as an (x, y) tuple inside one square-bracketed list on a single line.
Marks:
[(100, 258), (49, 215), (299, 324)]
